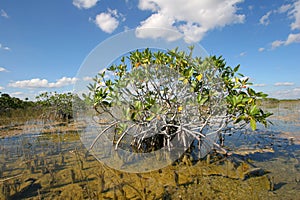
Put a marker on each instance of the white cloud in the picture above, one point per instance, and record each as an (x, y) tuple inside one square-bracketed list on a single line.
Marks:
[(192, 32), (31, 95), (284, 84), (2, 88), (4, 47), (3, 14), (259, 85), (292, 38), (84, 3), (157, 21), (87, 78), (43, 83), (284, 8), (261, 49), (264, 20), (17, 93), (116, 14), (148, 5), (2, 69), (295, 12), (193, 18), (108, 21), (242, 54), (63, 82), (33, 83), (293, 93), (277, 43)]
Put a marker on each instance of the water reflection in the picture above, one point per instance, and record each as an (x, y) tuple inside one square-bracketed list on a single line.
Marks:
[(48, 161)]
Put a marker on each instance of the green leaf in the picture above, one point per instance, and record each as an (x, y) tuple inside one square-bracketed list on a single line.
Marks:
[(236, 68), (138, 105), (251, 92), (203, 100), (240, 118), (254, 110), (181, 78), (126, 113), (253, 124), (133, 116), (150, 117), (261, 94), (241, 105)]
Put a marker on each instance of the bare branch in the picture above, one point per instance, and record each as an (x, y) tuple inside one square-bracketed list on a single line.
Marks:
[(100, 134)]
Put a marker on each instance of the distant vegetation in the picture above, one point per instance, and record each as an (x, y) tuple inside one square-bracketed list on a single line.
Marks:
[(56, 105), (8, 103), (48, 106)]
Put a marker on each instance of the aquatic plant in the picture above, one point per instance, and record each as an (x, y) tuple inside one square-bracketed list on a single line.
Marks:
[(149, 98), (56, 105)]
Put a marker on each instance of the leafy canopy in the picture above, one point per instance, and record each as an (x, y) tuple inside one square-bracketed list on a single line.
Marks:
[(177, 89)]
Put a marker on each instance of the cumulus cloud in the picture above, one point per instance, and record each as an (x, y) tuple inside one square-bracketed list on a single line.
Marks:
[(87, 78), (292, 38), (64, 81), (3, 14), (277, 43), (4, 47), (259, 85), (264, 20), (109, 21), (261, 49), (2, 88), (155, 21), (106, 22), (293, 93), (2, 69), (193, 18), (284, 84), (293, 12), (42, 83), (84, 3), (33, 83), (284, 8)]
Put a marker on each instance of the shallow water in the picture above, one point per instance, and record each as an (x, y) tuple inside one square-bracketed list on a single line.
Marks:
[(283, 137), (54, 165)]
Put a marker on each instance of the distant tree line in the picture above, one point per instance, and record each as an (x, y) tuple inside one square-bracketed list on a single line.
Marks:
[(51, 105), (7, 103)]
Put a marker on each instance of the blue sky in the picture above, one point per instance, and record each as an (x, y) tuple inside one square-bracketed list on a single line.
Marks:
[(44, 43)]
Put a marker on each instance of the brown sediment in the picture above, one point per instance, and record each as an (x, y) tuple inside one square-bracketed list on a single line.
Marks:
[(68, 174), (244, 152), (39, 127), (74, 175), (292, 137)]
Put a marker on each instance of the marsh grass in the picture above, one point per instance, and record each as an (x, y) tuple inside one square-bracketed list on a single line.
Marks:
[(19, 116)]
